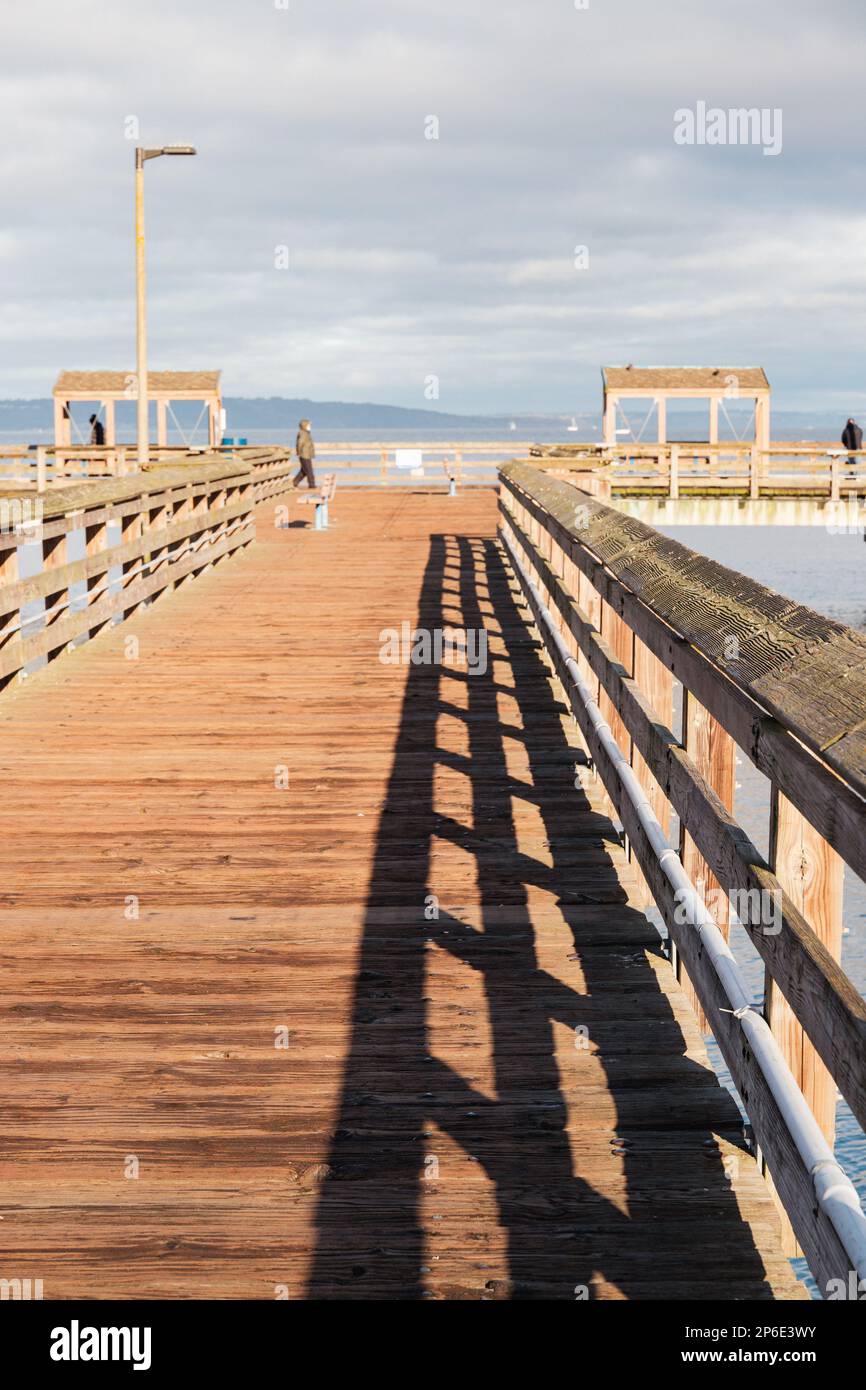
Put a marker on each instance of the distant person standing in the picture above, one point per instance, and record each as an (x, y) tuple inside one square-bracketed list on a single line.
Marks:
[(852, 438), (306, 451), (97, 430)]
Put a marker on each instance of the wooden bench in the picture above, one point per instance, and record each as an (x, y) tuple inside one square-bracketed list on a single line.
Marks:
[(320, 500)]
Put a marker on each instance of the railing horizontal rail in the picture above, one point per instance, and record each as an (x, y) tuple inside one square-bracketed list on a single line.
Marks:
[(665, 593), (678, 608), (830, 1008)]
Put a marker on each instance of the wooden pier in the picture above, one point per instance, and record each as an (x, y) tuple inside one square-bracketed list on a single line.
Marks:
[(328, 976)]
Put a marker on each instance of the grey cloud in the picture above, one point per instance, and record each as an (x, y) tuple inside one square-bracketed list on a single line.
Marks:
[(454, 256)]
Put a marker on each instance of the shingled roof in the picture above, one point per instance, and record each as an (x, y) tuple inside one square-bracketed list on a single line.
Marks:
[(683, 378), (94, 385)]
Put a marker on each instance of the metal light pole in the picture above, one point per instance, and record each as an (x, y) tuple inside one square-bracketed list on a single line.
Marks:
[(140, 296)]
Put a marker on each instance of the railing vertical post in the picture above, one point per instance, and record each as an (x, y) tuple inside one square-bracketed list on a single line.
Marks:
[(674, 475), (811, 873), (657, 684), (383, 465), (95, 542), (41, 468), (131, 529), (55, 556), (158, 517), (620, 638), (10, 618), (834, 479), (713, 751), (754, 480), (589, 599)]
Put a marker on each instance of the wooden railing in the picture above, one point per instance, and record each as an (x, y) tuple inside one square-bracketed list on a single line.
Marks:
[(823, 470), (637, 612), (816, 470), (137, 538), (47, 466), (376, 461)]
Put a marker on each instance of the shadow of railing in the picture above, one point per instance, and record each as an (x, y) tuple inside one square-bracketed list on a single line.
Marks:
[(559, 1232)]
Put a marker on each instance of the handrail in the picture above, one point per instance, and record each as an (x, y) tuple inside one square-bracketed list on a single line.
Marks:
[(636, 610), (174, 524), (176, 519), (731, 468)]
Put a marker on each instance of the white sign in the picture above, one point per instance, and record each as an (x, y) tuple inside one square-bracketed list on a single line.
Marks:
[(409, 459)]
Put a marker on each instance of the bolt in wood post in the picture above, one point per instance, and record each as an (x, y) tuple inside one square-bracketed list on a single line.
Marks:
[(811, 873), (713, 751)]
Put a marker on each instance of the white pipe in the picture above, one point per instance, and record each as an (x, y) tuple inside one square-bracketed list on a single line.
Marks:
[(834, 1191)]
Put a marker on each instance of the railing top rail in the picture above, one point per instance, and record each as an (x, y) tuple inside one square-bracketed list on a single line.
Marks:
[(806, 670), (809, 447), (99, 492)]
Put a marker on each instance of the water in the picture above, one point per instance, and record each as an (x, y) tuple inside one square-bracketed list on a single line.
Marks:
[(828, 573)]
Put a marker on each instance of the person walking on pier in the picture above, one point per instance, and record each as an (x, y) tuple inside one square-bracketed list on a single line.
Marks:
[(306, 451), (97, 430), (852, 438)]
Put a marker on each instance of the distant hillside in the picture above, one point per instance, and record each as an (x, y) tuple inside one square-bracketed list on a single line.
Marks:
[(27, 419), (261, 413), (276, 412)]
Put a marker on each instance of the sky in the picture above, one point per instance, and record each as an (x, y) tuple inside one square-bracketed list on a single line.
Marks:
[(324, 244)]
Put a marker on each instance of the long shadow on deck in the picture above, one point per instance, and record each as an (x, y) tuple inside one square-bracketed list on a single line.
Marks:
[(560, 1233)]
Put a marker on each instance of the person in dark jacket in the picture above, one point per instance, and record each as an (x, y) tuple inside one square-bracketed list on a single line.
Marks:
[(97, 430), (306, 451), (852, 438)]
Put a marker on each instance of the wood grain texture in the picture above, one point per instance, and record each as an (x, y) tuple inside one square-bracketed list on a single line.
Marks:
[(824, 999), (821, 782), (506, 1096)]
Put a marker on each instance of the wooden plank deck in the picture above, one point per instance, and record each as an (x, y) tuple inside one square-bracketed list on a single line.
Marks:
[(432, 1129)]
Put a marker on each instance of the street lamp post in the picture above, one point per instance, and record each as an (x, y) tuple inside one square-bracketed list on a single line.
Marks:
[(140, 297)]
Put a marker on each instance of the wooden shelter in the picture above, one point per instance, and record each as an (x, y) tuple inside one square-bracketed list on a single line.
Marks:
[(104, 389), (661, 384)]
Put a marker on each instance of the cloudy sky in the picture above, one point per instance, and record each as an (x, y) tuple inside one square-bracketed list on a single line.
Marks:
[(411, 257)]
